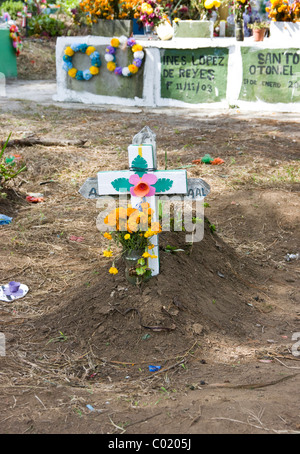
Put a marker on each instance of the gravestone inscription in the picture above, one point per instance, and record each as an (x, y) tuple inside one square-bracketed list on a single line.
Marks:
[(270, 75), (194, 75)]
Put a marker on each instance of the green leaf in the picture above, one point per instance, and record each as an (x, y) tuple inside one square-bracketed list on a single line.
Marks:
[(139, 164), (163, 184), (140, 271), (121, 185), (4, 146)]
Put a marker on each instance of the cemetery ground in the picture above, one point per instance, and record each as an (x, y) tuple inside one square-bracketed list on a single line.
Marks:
[(221, 318)]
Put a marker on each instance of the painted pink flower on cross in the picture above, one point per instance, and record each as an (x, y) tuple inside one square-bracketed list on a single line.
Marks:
[(142, 186)]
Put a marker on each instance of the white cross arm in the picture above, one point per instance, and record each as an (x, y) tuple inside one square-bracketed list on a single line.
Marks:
[(197, 189), (168, 182)]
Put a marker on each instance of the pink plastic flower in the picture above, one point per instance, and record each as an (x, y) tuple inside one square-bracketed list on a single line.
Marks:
[(142, 186), (6, 17)]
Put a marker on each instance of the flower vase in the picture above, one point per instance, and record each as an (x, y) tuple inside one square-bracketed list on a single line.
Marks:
[(239, 30), (149, 31), (131, 259)]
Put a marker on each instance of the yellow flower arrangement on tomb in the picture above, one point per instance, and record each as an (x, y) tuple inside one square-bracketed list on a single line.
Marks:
[(284, 11), (110, 9)]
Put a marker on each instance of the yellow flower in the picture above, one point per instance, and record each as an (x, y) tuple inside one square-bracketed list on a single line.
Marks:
[(111, 66), (209, 4), (146, 8), (68, 51), (127, 236), (133, 69), (136, 48), (146, 255), (72, 72), (115, 42), (90, 50), (107, 253), (113, 270), (153, 256), (155, 228), (94, 70), (107, 236), (151, 246)]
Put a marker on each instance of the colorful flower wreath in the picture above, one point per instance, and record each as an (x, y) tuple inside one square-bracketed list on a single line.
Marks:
[(16, 39), (110, 57), (87, 74)]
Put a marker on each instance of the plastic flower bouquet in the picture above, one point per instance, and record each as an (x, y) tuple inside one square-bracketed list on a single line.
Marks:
[(239, 7), (192, 9), (284, 11), (131, 230), (209, 7), (109, 9), (295, 11), (152, 13)]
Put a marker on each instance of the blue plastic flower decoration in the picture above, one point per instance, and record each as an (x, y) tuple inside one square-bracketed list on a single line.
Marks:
[(79, 75), (87, 75), (67, 65), (82, 48)]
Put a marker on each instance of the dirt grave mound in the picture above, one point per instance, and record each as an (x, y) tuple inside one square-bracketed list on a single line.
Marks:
[(199, 291)]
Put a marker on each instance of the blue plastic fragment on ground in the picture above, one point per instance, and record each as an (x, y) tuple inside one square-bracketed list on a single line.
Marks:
[(5, 219), (90, 407), (154, 368)]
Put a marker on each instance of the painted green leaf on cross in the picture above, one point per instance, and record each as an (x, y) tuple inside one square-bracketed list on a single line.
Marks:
[(121, 185), (163, 184), (139, 164)]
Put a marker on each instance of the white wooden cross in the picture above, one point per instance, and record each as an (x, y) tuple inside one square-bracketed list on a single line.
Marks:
[(142, 161), (142, 164)]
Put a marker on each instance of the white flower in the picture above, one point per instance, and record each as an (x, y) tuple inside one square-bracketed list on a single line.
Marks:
[(125, 71), (122, 39), (139, 54), (109, 57)]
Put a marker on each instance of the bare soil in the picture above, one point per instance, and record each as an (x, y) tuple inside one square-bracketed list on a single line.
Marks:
[(224, 310), (37, 59)]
